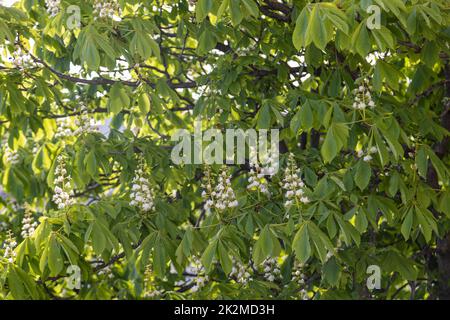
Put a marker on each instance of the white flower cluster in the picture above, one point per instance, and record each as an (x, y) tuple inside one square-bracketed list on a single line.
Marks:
[(106, 8), (271, 269), (141, 194), (63, 192), (293, 184), (21, 59), (3, 225), (367, 156), (9, 245), (148, 291), (269, 162), (12, 156), (102, 269), (222, 197), (155, 293), (63, 128), (5, 138), (297, 275), (240, 272), (257, 180), (52, 7), (28, 224), (363, 97), (200, 282), (84, 123), (304, 294), (106, 271), (33, 145), (201, 279)]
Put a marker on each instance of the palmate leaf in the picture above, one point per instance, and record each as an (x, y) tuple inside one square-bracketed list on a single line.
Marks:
[(335, 140), (371, 184), (320, 240), (301, 244)]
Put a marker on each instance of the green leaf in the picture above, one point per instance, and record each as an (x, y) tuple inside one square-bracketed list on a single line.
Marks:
[(265, 239), (301, 26), (118, 98), (263, 117), (306, 116), (331, 272), (202, 9), (361, 40), (98, 238), (90, 55), (337, 17), (394, 261), (407, 224), (329, 148), (251, 7), (236, 12), (444, 203), (438, 165), (322, 243), (301, 244), (144, 103), (224, 258), (362, 174), (424, 225), (206, 42), (91, 163), (381, 147), (223, 6), (209, 255), (55, 261), (393, 184), (422, 162), (104, 44), (316, 30), (361, 222), (159, 259)]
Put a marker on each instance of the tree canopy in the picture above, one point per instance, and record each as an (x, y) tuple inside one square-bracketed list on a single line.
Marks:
[(91, 93)]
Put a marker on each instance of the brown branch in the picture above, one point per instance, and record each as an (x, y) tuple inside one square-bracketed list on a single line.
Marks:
[(105, 81), (277, 16)]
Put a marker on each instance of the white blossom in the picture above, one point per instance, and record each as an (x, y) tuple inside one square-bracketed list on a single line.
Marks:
[(257, 180), (3, 225), (222, 196), (63, 129), (363, 97), (106, 8), (149, 290), (9, 246), (84, 123), (142, 194), (367, 155), (63, 192), (271, 269), (21, 59), (241, 272), (12, 156), (103, 269), (293, 184), (297, 274), (53, 7), (304, 294), (200, 279), (29, 224)]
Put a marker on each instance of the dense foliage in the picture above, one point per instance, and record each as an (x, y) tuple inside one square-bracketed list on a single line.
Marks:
[(87, 109)]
